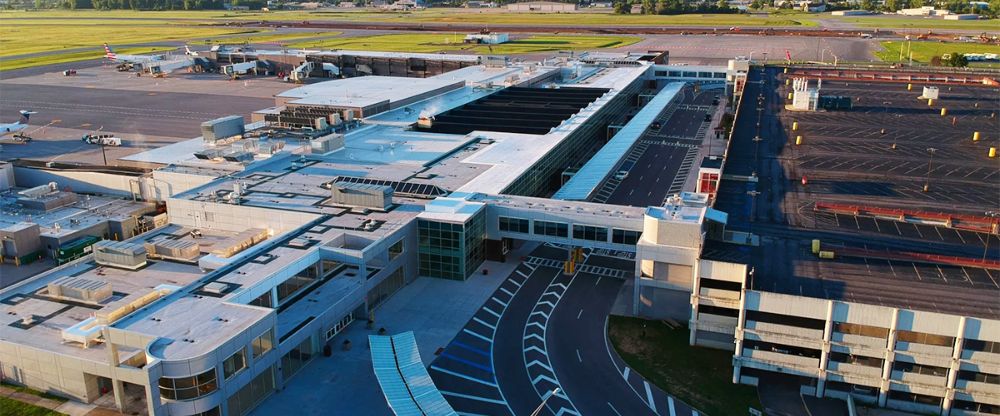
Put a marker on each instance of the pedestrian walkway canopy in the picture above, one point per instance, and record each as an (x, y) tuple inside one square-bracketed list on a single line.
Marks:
[(405, 383), (590, 176)]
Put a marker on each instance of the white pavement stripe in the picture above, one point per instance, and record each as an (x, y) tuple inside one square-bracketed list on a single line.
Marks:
[(538, 363), (613, 409), (493, 327), (469, 414), (627, 371), (491, 312), (649, 397), (578, 357), (670, 404), (521, 273), (477, 335), (470, 397), (499, 301), (565, 411), (460, 375), (504, 290)]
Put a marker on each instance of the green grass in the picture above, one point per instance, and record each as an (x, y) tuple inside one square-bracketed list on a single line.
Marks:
[(11, 64), (923, 51), (281, 38), (491, 16), (701, 377), (18, 39), (452, 42), (11, 407), (901, 22)]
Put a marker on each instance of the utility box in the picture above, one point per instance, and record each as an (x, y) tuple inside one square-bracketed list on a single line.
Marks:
[(378, 197), (20, 240), (327, 144), (222, 128)]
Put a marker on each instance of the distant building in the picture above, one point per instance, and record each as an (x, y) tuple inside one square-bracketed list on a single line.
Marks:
[(851, 13), (487, 38), (476, 4), (924, 11), (346, 4), (602, 4), (636, 9), (968, 16), (541, 6)]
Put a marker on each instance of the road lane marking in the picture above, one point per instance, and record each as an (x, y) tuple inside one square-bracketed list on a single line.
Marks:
[(470, 397), (649, 396), (578, 357), (460, 375), (579, 314), (670, 404)]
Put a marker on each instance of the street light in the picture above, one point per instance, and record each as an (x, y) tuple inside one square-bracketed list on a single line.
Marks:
[(927, 181), (548, 396)]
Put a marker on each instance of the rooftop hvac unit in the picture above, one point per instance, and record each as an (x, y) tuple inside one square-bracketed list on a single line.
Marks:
[(184, 250), (39, 191), (238, 157), (208, 154), (123, 254), (215, 288), (222, 128), (80, 289), (930, 93), (240, 242), (373, 196)]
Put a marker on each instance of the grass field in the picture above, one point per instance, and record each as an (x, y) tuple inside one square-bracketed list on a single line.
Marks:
[(901, 22), (698, 376), (18, 39), (430, 43), (494, 16), (10, 64), (281, 38), (11, 407), (924, 51)]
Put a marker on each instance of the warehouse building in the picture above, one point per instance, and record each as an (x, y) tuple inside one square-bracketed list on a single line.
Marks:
[(542, 7)]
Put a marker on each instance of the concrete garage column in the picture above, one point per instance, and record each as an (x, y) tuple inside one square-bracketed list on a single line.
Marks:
[(824, 357), (956, 363), (739, 338), (119, 389), (636, 289), (887, 359), (695, 295)]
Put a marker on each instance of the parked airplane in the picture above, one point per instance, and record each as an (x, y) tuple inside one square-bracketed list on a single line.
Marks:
[(130, 59), (189, 52), (17, 126)]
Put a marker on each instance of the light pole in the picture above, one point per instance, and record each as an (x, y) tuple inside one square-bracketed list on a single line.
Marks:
[(757, 139), (927, 181), (545, 399), (989, 235)]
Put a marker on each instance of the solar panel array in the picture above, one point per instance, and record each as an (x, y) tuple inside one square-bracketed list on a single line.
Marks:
[(516, 110), (415, 190), (407, 386)]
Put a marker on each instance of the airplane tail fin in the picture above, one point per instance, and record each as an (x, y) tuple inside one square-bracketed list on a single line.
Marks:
[(27, 115), (187, 51), (108, 53)]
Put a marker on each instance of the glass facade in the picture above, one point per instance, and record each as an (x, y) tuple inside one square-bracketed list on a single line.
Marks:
[(553, 229), (588, 232), (452, 251), (187, 388), (625, 236), (515, 225)]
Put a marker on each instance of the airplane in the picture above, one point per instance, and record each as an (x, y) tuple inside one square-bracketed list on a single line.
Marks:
[(129, 59), (17, 126), (189, 52)]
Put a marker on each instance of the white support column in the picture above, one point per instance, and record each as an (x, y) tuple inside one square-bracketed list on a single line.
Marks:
[(695, 294), (638, 281), (738, 336), (824, 357), (956, 363), (888, 358)]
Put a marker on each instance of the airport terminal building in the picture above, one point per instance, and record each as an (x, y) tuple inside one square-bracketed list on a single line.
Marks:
[(270, 250)]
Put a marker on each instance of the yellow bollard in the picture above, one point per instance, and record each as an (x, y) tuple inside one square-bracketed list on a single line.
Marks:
[(930, 102), (993, 152), (789, 96), (798, 140), (909, 87), (795, 125), (975, 136), (944, 111), (815, 246), (788, 81), (786, 69)]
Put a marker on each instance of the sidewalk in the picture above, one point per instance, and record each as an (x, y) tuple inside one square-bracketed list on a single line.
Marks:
[(434, 309)]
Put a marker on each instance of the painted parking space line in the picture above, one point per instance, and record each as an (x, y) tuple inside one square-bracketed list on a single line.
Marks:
[(649, 397), (471, 397), (477, 335), (463, 376)]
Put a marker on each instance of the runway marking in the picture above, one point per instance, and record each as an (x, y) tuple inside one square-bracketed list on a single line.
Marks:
[(670, 404), (649, 398), (613, 409), (578, 357), (534, 347), (493, 327), (540, 312), (477, 335), (460, 375), (470, 397), (539, 363)]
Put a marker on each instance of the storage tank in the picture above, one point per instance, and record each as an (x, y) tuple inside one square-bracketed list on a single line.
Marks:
[(222, 128)]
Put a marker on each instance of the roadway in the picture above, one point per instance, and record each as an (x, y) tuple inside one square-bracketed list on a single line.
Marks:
[(541, 330)]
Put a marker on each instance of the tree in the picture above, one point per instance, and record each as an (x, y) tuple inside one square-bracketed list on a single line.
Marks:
[(622, 7), (957, 60), (892, 5), (723, 5), (868, 5), (757, 4), (648, 7), (994, 9)]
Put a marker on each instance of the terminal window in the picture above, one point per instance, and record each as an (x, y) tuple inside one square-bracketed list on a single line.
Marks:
[(187, 388), (588, 232), (515, 225), (554, 229)]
